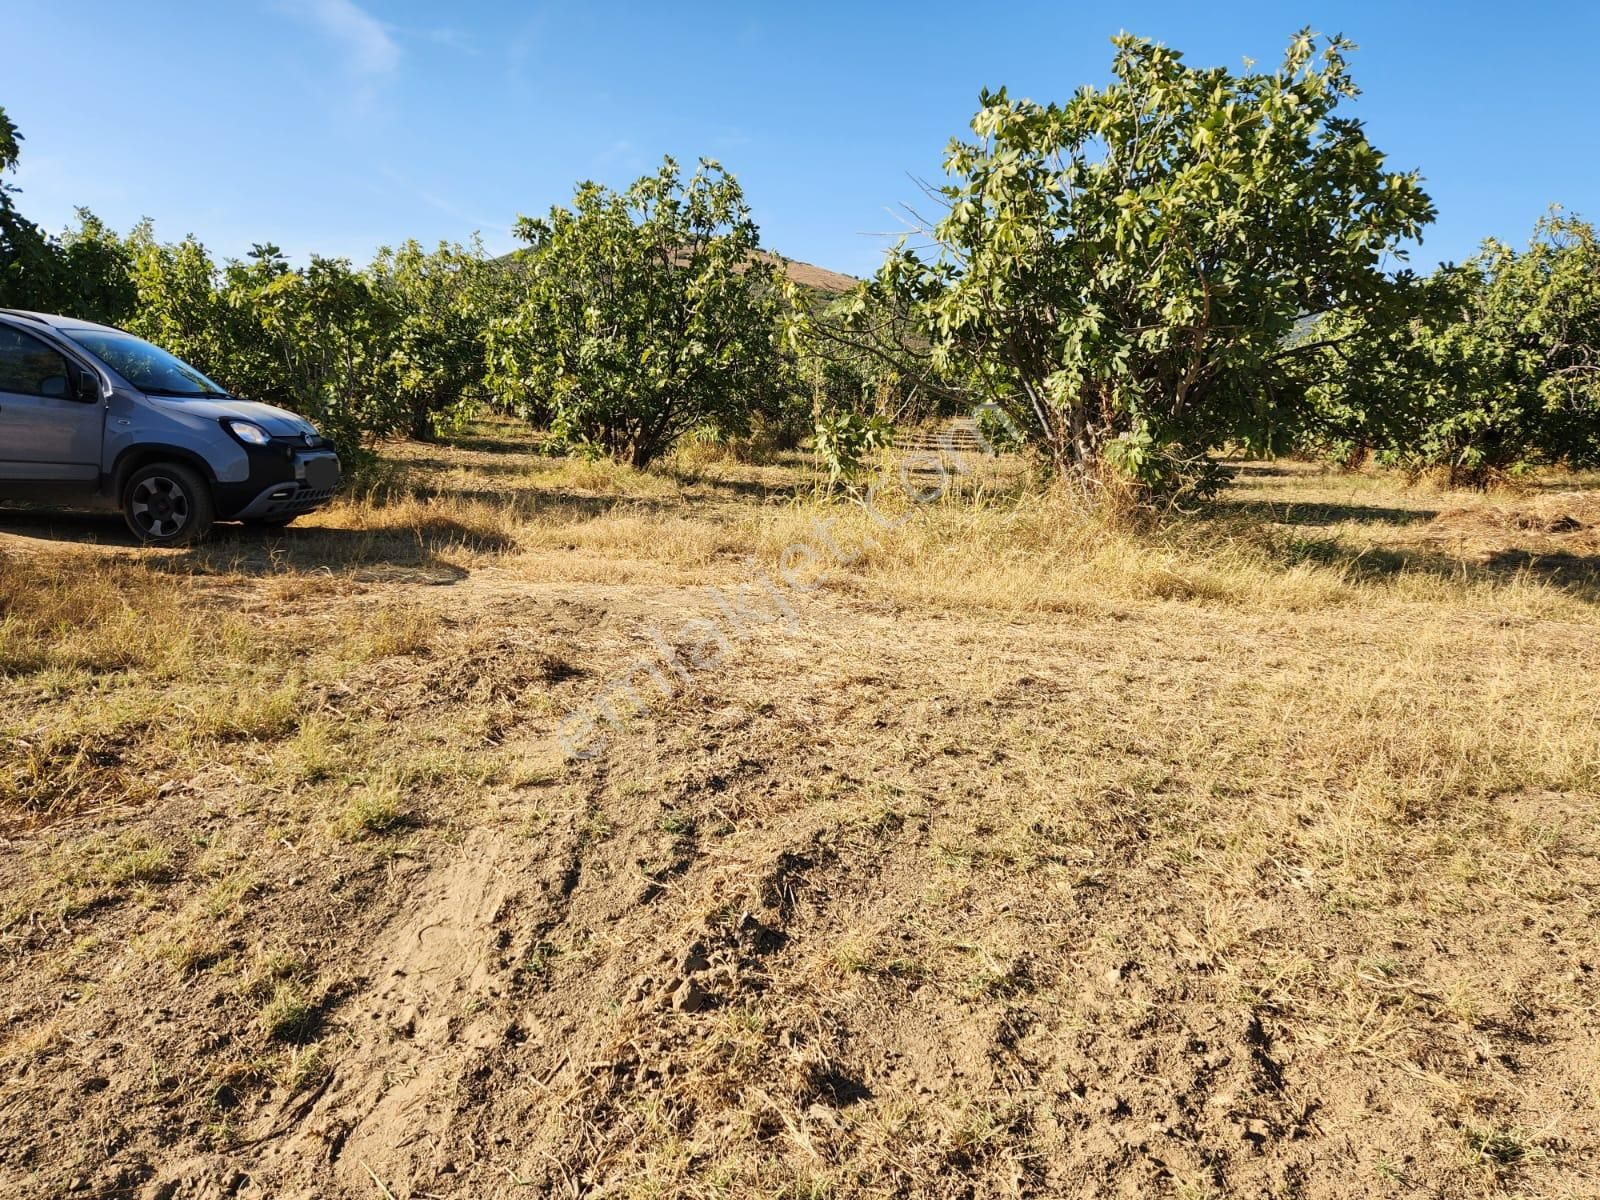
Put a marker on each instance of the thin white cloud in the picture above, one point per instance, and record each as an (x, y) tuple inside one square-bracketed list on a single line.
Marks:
[(369, 45), (493, 229), (452, 39)]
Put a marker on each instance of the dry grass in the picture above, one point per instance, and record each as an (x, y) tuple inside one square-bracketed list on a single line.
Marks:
[(1249, 852)]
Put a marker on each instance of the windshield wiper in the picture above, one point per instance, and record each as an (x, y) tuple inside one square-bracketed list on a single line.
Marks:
[(208, 395)]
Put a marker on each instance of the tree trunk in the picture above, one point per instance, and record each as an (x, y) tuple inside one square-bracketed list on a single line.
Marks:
[(422, 429)]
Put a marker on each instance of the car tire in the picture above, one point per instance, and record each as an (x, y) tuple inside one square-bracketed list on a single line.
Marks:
[(167, 504)]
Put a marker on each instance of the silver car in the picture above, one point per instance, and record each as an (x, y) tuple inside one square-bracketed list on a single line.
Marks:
[(93, 415)]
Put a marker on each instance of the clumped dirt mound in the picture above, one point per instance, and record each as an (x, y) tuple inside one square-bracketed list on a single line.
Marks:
[(1554, 515), (1557, 537)]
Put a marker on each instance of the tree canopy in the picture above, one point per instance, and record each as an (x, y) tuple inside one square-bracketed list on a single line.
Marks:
[(1124, 270), (1183, 262), (1496, 370), (647, 314)]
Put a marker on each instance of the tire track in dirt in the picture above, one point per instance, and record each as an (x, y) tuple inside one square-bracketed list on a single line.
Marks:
[(435, 1020), (434, 1000)]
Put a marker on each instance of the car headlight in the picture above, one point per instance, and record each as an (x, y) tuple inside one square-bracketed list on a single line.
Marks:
[(248, 432)]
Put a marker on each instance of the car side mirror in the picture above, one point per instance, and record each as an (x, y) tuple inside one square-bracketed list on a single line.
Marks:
[(88, 386)]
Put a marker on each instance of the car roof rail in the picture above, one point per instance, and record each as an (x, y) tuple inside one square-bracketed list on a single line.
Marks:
[(25, 315)]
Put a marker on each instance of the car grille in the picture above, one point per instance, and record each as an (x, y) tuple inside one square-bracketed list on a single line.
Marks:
[(303, 500)]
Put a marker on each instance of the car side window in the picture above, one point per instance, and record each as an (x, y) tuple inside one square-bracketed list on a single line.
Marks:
[(28, 367)]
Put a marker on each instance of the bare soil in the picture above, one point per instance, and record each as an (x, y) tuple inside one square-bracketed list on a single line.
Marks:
[(1160, 896)]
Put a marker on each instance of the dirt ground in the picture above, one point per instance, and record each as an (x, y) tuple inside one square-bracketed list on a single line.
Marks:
[(968, 871)]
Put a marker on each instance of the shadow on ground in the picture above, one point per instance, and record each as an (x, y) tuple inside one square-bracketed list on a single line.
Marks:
[(1310, 513), (1578, 574), (413, 552)]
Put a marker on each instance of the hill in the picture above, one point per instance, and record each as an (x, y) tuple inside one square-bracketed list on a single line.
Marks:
[(817, 278)]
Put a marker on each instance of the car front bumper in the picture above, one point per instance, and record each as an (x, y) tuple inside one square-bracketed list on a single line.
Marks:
[(283, 486)]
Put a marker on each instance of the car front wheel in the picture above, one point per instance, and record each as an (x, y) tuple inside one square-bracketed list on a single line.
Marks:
[(166, 504)]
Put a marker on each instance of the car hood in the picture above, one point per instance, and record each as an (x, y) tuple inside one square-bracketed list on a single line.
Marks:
[(279, 422)]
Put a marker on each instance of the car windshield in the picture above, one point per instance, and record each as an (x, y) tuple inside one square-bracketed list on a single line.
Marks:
[(149, 368)]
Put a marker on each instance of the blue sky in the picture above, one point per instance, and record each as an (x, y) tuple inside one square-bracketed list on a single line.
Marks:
[(339, 125)]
